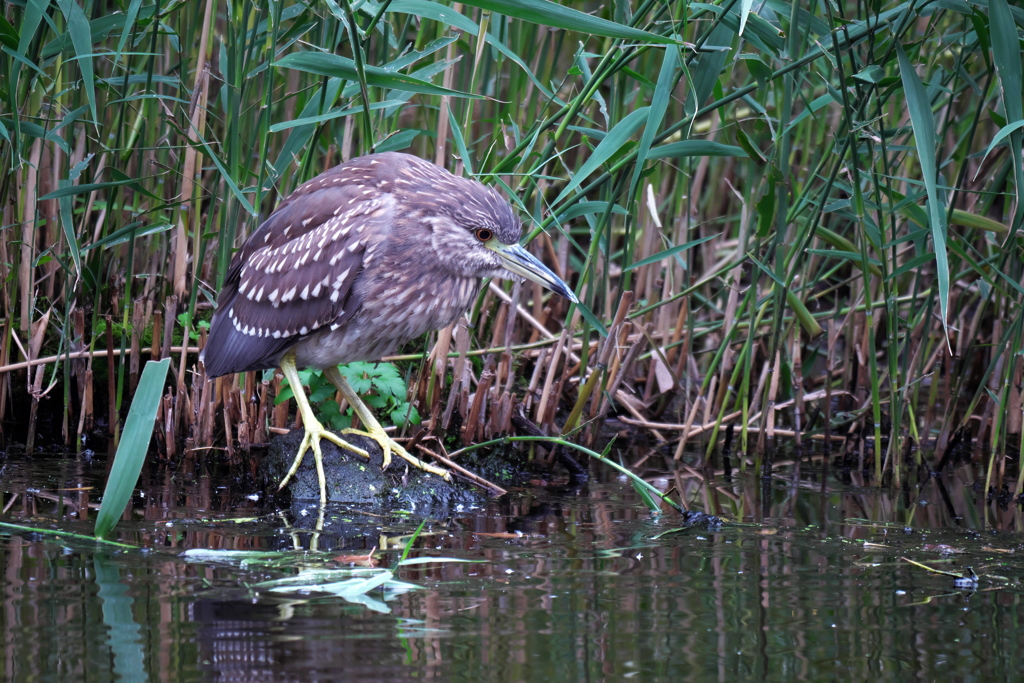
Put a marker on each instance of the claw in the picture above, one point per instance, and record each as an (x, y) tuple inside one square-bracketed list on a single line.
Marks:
[(387, 445), (374, 430), (316, 431)]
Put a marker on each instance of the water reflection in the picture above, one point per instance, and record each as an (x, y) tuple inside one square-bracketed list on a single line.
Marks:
[(810, 579)]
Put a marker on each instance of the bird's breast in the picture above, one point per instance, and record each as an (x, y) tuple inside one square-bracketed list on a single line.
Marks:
[(392, 312)]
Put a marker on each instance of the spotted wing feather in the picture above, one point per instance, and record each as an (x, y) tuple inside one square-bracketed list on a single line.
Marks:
[(294, 275)]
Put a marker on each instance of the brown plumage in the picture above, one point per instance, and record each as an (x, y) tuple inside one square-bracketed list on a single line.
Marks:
[(356, 262), (347, 253)]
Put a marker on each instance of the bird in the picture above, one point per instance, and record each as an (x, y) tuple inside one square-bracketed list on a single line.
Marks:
[(364, 257)]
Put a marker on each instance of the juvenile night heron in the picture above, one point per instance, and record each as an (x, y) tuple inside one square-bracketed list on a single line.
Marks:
[(356, 262)]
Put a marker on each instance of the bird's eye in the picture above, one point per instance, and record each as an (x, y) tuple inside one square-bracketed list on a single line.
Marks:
[(484, 234)]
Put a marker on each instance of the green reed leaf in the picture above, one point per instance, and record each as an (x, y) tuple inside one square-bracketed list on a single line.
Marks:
[(334, 66), (616, 138), (923, 123), (131, 451), (1006, 57), (548, 13), (81, 39)]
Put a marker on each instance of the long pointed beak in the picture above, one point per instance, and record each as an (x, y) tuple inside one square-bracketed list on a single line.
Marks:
[(521, 262)]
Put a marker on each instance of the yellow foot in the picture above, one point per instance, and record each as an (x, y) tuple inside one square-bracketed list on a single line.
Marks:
[(314, 432), (387, 445)]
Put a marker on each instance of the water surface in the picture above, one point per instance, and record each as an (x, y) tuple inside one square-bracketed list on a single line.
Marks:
[(808, 579)]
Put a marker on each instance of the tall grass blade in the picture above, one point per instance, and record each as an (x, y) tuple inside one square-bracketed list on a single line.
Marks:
[(704, 74), (647, 498), (129, 25), (1006, 131), (618, 136), (81, 38), (228, 180), (335, 66), (672, 251), (559, 16), (460, 143), (667, 78), (34, 11), (131, 451), (923, 123), (1006, 56), (67, 223), (695, 148), (449, 17), (85, 188), (437, 12), (30, 20), (299, 137), (591, 319)]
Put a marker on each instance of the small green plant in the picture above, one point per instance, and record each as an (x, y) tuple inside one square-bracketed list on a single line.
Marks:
[(185, 320), (380, 385)]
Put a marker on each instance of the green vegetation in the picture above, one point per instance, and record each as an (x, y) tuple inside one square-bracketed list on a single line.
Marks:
[(380, 385), (132, 448), (776, 214)]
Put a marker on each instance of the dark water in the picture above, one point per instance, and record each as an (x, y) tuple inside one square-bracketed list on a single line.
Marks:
[(808, 580)]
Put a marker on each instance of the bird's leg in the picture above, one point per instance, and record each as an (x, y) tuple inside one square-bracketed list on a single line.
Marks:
[(314, 430), (373, 429)]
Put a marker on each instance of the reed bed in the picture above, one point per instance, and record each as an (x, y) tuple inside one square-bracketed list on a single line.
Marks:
[(785, 221)]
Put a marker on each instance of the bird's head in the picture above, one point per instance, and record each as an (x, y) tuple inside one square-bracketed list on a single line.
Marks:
[(476, 233)]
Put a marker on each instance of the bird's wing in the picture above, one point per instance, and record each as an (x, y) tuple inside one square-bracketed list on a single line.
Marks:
[(294, 274)]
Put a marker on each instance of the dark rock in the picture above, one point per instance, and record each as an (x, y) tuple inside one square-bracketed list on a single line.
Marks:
[(353, 479)]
